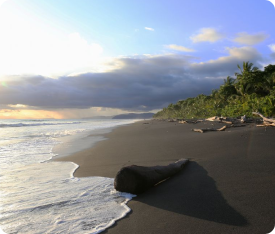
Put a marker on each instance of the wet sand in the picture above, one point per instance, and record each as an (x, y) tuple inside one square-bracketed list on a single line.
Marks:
[(227, 187)]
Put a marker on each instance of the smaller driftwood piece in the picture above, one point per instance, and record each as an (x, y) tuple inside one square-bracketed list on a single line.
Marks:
[(137, 179), (266, 122), (183, 122), (190, 121), (226, 120), (202, 130)]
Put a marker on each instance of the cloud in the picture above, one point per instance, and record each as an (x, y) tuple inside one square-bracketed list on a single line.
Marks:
[(18, 106), (140, 83), (180, 48), (226, 65), (272, 47), (207, 35), (150, 29), (250, 39)]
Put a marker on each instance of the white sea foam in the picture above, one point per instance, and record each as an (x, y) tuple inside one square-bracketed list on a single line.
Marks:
[(34, 124), (44, 197)]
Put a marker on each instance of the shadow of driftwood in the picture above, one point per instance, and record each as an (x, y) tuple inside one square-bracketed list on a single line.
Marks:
[(192, 192)]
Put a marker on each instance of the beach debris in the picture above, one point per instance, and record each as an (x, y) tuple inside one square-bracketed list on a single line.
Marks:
[(243, 119), (190, 121), (214, 118), (183, 122), (266, 121), (265, 124), (137, 179), (202, 130), (172, 120), (236, 125), (226, 122), (194, 121)]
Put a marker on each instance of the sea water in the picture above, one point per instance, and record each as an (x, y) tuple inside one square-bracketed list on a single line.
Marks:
[(38, 195)]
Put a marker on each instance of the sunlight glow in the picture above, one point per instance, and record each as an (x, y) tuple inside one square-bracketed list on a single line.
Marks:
[(3, 83), (29, 114), (17, 106), (30, 48)]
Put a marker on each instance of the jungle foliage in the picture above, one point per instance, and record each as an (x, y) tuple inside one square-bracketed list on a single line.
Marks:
[(251, 90)]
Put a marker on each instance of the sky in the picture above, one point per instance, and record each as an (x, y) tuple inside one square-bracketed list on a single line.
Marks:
[(83, 58)]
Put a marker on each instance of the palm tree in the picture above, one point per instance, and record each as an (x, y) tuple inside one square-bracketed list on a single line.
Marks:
[(228, 88), (269, 72), (229, 81), (250, 80), (247, 68)]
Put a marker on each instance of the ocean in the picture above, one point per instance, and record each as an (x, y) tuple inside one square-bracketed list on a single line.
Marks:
[(38, 195)]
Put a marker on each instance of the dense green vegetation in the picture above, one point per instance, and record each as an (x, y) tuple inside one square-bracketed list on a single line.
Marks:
[(251, 90)]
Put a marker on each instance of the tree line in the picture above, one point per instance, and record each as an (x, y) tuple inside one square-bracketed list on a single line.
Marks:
[(252, 90)]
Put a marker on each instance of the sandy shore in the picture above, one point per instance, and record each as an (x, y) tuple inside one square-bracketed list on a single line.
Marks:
[(228, 186)]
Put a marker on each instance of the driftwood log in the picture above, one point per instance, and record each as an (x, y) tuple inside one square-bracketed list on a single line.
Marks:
[(265, 124), (202, 130), (190, 121), (226, 122), (172, 120), (220, 120), (266, 121), (236, 125), (183, 122), (214, 118), (137, 179)]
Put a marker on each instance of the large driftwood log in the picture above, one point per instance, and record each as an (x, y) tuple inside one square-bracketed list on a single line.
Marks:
[(137, 179)]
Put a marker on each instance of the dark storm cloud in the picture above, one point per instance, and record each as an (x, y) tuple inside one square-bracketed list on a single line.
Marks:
[(143, 83)]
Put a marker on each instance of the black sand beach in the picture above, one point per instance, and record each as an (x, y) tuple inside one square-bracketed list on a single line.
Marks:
[(227, 187)]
